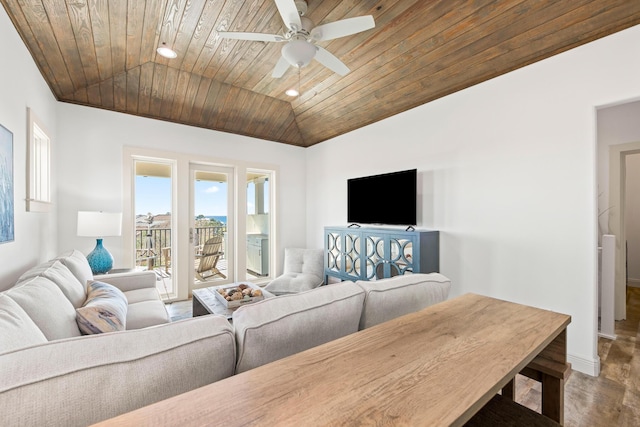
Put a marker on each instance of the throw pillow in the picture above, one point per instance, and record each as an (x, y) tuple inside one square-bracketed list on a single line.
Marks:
[(104, 311)]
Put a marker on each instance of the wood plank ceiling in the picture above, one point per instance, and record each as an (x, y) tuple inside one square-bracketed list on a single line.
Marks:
[(102, 53)]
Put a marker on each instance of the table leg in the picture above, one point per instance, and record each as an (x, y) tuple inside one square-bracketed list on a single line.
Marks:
[(198, 308), (509, 390), (550, 367), (553, 398)]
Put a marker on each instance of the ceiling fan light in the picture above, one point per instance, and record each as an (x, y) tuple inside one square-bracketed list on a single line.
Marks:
[(298, 52), (166, 51), (292, 92)]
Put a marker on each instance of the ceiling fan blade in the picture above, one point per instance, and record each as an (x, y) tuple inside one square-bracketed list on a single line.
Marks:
[(289, 13), (330, 61), (344, 27), (259, 37), (281, 67)]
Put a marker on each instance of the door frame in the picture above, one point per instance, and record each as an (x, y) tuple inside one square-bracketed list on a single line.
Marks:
[(617, 200)]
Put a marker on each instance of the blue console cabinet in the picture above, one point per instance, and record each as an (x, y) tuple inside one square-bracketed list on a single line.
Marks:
[(376, 253)]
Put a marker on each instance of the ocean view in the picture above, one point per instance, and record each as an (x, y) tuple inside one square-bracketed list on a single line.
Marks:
[(222, 219)]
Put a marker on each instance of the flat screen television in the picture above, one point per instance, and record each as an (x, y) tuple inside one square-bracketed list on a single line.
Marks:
[(388, 199)]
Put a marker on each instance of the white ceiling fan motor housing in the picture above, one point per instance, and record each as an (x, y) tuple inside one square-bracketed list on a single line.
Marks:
[(298, 52)]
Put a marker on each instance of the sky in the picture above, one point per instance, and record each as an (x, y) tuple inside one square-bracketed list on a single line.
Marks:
[(153, 195)]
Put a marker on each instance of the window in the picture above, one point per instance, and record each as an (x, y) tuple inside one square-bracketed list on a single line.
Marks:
[(39, 166)]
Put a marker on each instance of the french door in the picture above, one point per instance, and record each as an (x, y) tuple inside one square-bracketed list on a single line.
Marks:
[(197, 223), (212, 225), (154, 226)]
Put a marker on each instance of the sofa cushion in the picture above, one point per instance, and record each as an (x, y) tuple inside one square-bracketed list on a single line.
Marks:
[(59, 274), (144, 294), (307, 261), (292, 283), (104, 311), (47, 306), (146, 313), (18, 330), (274, 328), (303, 271), (77, 263), (387, 299)]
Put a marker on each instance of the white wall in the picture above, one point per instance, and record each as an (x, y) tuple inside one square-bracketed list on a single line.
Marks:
[(90, 176), (506, 173), (22, 86), (632, 215)]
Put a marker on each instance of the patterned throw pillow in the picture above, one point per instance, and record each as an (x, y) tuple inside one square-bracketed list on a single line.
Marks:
[(105, 309)]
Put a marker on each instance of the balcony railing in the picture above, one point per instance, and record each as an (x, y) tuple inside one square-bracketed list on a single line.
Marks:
[(150, 244)]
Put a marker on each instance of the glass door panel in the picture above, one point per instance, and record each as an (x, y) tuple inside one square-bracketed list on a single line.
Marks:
[(153, 221), (211, 233), (258, 224)]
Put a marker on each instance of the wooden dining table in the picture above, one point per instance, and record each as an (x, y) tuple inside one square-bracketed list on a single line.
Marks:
[(435, 367)]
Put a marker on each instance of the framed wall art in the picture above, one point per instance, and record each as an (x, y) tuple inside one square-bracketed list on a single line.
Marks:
[(6, 186)]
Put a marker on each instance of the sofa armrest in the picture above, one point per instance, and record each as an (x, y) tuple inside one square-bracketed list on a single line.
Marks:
[(83, 380), (129, 281)]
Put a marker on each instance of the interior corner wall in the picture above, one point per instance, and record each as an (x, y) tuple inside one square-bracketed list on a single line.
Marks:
[(22, 86), (507, 173), (91, 168)]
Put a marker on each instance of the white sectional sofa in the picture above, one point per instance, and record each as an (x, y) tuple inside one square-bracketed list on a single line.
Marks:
[(51, 374)]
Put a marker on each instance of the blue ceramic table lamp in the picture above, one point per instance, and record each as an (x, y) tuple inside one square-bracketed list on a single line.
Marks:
[(99, 225)]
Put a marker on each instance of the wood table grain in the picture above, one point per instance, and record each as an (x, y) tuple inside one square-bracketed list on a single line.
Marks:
[(435, 367)]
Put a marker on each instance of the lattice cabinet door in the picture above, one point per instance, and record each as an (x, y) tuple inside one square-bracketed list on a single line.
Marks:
[(388, 255), (400, 255), (343, 254), (374, 256)]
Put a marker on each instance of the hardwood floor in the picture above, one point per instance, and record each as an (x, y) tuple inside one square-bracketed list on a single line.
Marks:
[(612, 399)]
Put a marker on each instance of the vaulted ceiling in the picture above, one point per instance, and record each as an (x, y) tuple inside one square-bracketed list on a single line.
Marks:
[(102, 53)]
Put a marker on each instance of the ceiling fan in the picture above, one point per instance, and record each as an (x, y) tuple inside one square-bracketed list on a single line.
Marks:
[(302, 36)]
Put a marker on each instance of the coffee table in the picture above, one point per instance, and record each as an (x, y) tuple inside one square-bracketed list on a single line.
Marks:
[(205, 302)]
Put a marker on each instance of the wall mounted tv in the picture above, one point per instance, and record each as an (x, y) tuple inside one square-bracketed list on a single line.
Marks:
[(383, 199)]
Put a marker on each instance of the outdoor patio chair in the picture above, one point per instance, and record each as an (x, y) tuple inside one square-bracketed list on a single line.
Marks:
[(211, 252)]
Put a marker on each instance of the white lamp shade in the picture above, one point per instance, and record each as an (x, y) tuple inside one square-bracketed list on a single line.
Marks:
[(298, 52), (99, 224)]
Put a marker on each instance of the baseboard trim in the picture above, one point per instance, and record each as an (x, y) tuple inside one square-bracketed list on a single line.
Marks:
[(633, 283), (586, 366), (607, 336)]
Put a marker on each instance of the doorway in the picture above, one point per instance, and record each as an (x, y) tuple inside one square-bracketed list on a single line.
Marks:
[(153, 208), (192, 202), (617, 218), (211, 232)]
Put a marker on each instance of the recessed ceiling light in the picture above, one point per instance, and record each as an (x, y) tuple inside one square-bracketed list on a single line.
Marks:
[(166, 51), (292, 92)]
